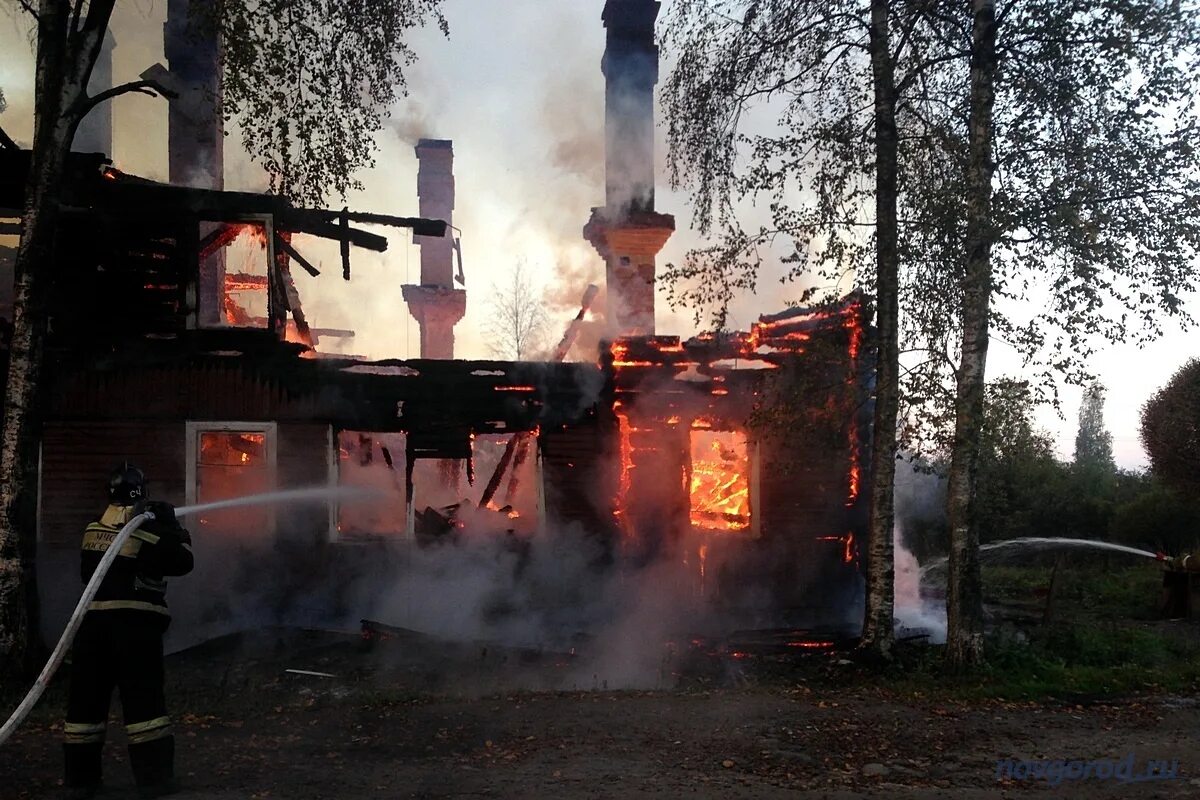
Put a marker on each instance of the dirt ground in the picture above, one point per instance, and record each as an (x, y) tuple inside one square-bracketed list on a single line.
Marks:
[(408, 718)]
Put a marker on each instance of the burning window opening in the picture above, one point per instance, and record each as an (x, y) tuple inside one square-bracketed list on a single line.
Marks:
[(228, 464), (234, 272), (720, 479), (445, 500), (373, 461)]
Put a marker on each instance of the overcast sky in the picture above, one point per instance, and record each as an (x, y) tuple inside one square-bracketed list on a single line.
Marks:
[(519, 90)]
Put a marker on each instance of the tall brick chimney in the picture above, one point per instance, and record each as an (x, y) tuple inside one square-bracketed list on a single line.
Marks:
[(435, 304), (627, 232), (195, 128)]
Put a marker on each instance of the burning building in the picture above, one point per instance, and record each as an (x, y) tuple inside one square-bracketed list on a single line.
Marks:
[(178, 340), (664, 450)]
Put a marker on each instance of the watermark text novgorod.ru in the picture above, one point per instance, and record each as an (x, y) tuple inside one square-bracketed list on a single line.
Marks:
[(1055, 772)]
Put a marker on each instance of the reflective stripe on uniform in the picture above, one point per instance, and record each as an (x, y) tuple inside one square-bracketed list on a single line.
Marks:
[(149, 730), (84, 732), (117, 605), (145, 536)]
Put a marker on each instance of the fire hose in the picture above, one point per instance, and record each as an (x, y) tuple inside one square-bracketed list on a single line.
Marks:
[(93, 585), (73, 624)]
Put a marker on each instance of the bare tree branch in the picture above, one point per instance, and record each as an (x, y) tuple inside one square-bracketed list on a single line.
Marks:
[(149, 87)]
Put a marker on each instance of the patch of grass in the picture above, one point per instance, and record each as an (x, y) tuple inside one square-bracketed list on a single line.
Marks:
[(1086, 588), (1064, 662), (1000, 581)]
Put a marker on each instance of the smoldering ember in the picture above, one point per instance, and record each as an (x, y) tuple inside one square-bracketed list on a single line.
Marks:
[(727, 498)]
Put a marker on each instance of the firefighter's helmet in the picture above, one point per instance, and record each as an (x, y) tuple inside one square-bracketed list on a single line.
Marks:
[(126, 485)]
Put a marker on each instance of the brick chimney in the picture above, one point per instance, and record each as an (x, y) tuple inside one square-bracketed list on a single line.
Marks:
[(627, 232), (195, 128), (435, 304)]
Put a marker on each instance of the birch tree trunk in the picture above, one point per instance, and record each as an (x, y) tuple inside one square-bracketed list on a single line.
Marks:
[(964, 597), (65, 57), (878, 624)]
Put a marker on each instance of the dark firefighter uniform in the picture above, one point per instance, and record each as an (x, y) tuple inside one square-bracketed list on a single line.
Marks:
[(120, 642)]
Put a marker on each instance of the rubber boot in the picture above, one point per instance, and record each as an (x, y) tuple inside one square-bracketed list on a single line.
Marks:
[(153, 765), (82, 779)]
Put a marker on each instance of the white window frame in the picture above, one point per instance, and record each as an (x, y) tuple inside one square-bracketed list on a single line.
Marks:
[(195, 428)]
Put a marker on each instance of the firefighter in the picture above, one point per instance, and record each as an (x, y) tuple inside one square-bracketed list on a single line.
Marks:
[(120, 642), (1184, 563)]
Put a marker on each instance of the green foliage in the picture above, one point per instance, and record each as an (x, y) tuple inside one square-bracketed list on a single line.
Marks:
[(1097, 179), (1017, 470), (1093, 442), (806, 63), (311, 82), (1101, 651), (1170, 430), (1022, 489), (1160, 519)]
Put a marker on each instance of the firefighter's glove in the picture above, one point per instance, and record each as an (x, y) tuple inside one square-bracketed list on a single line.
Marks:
[(164, 514)]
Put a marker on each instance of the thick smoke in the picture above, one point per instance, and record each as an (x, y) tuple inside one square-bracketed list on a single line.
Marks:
[(920, 529)]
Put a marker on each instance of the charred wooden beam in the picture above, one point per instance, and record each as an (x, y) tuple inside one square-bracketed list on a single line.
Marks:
[(345, 223), (286, 247), (510, 450), (572, 332), (220, 236), (418, 225), (517, 450), (289, 287), (337, 232)]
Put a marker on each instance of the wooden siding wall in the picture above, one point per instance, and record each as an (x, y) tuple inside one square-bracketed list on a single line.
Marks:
[(302, 460), (210, 392), (579, 475), (77, 458)]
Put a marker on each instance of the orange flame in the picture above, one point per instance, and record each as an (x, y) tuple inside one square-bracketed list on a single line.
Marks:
[(720, 487), (626, 452)]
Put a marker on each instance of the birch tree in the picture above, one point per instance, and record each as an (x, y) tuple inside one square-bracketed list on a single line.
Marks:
[(1048, 184), (359, 59), (1082, 196), (842, 82)]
